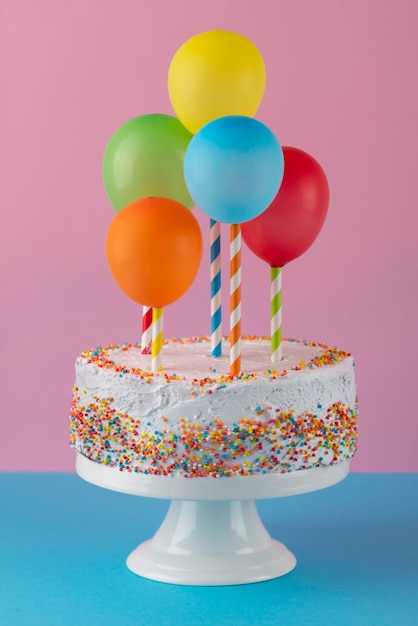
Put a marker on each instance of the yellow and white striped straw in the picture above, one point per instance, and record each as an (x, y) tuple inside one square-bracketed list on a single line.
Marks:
[(157, 339)]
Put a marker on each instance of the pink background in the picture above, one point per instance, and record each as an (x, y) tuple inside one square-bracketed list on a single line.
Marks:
[(341, 84)]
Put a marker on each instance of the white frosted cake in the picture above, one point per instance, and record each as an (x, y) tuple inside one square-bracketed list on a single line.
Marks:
[(195, 419)]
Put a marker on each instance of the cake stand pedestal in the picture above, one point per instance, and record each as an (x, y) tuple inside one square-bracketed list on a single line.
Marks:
[(212, 533)]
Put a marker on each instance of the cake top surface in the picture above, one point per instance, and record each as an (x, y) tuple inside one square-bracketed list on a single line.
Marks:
[(191, 359)]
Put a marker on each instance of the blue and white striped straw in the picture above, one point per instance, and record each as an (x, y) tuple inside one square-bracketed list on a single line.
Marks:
[(215, 288)]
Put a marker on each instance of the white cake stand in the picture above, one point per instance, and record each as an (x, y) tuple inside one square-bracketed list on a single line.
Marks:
[(212, 533)]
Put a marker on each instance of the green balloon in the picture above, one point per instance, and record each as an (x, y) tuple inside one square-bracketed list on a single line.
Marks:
[(144, 158)]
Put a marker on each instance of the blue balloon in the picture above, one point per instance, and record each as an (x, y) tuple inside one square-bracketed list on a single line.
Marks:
[(233, 168)]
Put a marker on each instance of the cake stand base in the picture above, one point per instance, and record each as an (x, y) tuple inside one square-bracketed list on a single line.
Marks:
[(212, 533), (211, 543)]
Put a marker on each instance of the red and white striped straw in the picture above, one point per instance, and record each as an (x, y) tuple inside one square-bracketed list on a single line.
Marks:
[(146, 330), (235, 299)]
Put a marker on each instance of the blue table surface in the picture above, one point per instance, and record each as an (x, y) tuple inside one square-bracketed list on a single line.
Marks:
[(64, 542)]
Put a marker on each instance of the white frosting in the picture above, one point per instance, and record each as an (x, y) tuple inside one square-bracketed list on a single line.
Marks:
[(196, 388)]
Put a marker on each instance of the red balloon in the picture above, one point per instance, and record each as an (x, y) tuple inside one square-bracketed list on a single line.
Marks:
[(292, 222)]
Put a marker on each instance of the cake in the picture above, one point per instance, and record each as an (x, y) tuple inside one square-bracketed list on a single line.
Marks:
[(194, 419)]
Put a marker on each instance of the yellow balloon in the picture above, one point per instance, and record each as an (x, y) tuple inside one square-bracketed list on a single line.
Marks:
[(214, 74)]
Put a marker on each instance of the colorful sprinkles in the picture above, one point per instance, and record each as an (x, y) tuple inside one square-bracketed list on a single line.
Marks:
[(275, 442)]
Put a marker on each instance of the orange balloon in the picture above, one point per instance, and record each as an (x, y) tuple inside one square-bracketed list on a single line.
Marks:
[(154, 249)]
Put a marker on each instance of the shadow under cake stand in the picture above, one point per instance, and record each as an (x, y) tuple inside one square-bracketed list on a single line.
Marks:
[(212, 533)]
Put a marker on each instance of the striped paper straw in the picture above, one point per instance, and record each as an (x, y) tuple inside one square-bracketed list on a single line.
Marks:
[(215, 288), (235, 299), (146, 330), (157, 339), (276, 314)]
